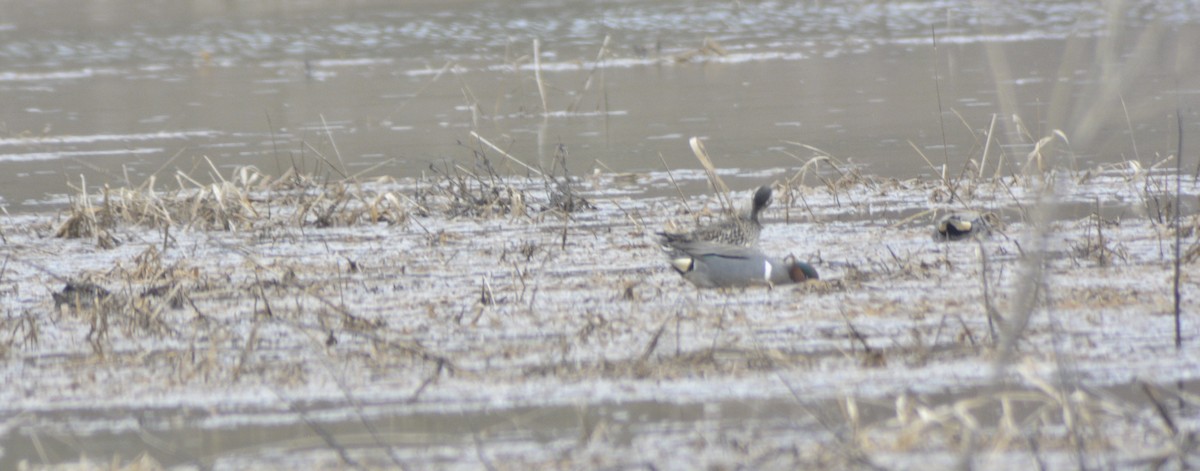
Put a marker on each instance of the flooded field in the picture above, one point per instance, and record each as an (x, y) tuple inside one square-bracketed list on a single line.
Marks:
[(239, 236), (121, 93)]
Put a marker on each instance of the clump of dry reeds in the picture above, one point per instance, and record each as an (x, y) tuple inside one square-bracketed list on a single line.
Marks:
[(1042, 420), (561, 190), (482, 191), (347, 204), (86, 220), (247, 198), (1096, 246), (224, 205), (465, 193)]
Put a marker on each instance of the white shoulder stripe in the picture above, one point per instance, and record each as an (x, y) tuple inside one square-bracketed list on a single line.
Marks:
[(766, 270)]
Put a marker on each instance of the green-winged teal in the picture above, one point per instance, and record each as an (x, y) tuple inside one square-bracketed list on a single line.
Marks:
[(80, 294), (710, 265), (739, 229), (965, 224)]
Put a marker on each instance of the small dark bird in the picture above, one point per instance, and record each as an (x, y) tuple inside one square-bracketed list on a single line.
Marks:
[(80, 295)]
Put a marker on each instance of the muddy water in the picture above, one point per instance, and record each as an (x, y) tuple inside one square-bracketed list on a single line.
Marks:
[(179, 438), (116, 92), (390, 436)]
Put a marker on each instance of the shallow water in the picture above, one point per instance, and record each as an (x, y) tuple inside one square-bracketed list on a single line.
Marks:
[(393, 435), (188, 437), (120, 92)]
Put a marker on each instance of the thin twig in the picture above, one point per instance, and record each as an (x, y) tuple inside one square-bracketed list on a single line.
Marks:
[(988, 145), (987, 298), (537, 73), (1178, 229), (649, 350), (937, 86), (333, 144), (321, 432), (506, 155), (673, 182)]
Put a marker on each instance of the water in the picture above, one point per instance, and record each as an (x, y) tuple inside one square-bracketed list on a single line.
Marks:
[(416, 437), (119, 92)]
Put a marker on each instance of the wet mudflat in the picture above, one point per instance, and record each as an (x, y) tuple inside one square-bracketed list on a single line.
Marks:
[(472, 321)]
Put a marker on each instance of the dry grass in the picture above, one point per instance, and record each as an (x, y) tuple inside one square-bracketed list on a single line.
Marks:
[(250, 200)]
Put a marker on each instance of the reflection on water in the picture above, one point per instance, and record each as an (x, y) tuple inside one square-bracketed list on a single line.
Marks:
[(121, 92), (183, 437), (384, 436)]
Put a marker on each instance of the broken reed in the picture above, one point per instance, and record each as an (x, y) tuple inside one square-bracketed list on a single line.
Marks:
[(1041, 420)]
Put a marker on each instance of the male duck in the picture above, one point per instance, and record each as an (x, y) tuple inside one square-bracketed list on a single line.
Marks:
[(964, 224), (710, 265)]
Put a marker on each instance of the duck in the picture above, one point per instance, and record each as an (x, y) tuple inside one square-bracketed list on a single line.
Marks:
[(966, 224), (739, 230), (80, 295), (713, 265)]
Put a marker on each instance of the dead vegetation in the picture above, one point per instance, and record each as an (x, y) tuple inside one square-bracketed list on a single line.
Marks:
[(470, 278), (250, 200)]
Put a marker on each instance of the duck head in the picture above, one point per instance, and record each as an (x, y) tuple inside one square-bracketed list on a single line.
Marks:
[(799, 271), (954, 227), (762, 199), (963, 224)]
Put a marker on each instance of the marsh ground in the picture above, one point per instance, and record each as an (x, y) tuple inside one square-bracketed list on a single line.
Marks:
[(466, 322)]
